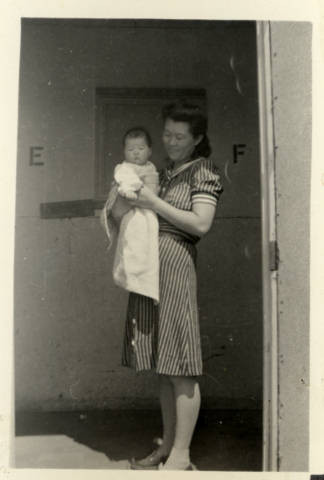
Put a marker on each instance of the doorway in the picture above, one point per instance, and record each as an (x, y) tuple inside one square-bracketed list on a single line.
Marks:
[(230, 257), (77, 101)]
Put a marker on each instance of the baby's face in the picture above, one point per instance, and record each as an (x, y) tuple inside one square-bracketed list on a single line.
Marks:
[(136, 150)]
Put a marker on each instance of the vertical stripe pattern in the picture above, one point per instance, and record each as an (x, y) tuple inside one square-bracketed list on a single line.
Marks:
[(199, 182), (166, 337)]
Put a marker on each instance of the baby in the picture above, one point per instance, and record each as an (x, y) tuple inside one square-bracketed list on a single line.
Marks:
[(136, 169), (136, 263)]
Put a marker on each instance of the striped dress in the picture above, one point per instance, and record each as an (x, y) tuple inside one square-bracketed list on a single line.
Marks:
[(166, 337)]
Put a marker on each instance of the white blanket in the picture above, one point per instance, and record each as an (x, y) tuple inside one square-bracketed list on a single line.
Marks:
[(136, 262)]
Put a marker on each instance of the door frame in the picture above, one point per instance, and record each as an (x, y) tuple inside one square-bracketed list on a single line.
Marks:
[(269, 249)]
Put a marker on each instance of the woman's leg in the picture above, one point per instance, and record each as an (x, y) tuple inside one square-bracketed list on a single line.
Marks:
[(167, 401), (168, 409), (187, 404)]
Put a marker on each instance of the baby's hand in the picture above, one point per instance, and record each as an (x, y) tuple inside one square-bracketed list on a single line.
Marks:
[(128, 194), (131, 195), (146, 198)]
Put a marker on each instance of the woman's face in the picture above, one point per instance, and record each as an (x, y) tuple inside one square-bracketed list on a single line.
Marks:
[(178, 140)]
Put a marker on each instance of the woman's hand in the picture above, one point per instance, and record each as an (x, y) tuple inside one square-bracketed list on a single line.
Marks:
[(120, 208), (146, 198)]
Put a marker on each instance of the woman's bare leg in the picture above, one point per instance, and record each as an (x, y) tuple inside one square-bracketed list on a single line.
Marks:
[(187, 403)]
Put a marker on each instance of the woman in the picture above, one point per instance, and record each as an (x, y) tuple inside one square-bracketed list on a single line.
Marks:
[(166, 337)]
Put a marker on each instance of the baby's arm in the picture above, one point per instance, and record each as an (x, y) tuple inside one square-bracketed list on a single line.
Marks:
[(128, 181)]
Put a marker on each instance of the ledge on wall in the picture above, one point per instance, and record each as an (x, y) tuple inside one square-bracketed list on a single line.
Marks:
[(70, 209)]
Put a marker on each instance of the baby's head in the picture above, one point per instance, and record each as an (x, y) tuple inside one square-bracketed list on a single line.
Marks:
[(137, 145)]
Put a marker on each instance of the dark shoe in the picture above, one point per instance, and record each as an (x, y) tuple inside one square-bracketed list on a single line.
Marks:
[(151, 462)]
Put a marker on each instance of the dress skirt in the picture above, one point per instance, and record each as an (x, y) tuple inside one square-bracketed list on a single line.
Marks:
[(166, 337)]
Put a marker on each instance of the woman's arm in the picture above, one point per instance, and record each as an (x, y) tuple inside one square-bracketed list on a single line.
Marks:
[(196, 222), (120, 207)]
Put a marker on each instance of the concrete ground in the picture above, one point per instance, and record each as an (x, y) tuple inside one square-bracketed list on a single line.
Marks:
[(224, 440)]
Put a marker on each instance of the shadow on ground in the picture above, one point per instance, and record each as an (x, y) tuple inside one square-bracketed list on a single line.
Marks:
[(224, 440)]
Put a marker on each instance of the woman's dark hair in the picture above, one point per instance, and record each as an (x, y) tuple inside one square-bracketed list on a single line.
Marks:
[(138, 132), (182, 111)]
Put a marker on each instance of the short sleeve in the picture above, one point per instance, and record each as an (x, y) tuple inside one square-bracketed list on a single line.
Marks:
[(206, 186)]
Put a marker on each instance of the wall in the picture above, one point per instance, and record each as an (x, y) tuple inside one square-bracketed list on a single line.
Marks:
[(68, 314), (291, 80)]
